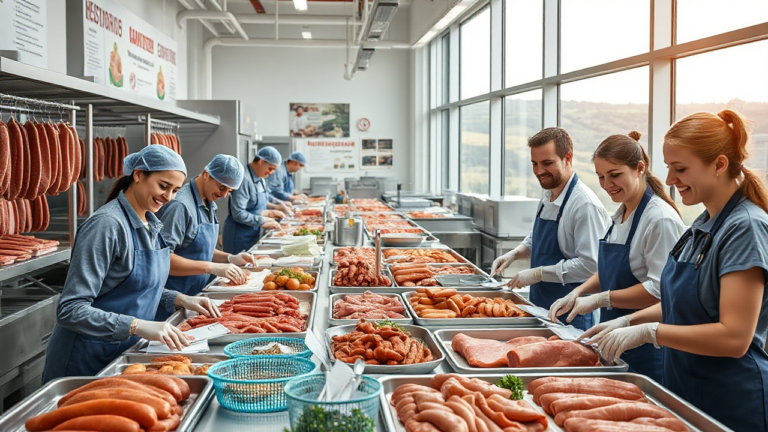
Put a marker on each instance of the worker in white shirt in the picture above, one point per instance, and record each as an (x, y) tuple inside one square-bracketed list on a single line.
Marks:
[(570, 222), (299, 122)]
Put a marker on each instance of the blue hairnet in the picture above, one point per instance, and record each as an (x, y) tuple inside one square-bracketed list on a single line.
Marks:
[(270, 155), (154, 157), (226, 170), (298, 157)]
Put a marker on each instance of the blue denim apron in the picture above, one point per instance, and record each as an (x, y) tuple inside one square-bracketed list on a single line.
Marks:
[(616, 274), (73, 354), (239, 237), (732, 390), (201, 249), (545, 252)]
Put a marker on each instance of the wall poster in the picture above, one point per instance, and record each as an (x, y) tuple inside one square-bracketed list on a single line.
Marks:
[(319, 120), (331, 156), (123, 51), (376, 153), (22, 29)]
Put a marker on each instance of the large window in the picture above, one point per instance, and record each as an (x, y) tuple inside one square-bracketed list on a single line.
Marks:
[(446, 69), (475, 146), (697, 19), (476, 55), (593, 32), (524, 36), (595, 108), (732, 78), (522, 119), (445, 147)]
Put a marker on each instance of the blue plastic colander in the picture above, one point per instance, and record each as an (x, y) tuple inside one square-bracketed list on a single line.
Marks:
[(244, 348), (255, 384)]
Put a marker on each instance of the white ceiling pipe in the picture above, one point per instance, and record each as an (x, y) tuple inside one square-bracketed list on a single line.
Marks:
[(292, 19), (205, 23), (210, 15), (284, 43), (227, 24)]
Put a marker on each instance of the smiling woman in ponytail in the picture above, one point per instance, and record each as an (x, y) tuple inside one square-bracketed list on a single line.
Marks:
[(713, 316), (634, 251)]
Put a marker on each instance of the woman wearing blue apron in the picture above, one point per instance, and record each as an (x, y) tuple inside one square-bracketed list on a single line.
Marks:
[(191, 231), (569, 223), (117, 272), (713, 315), (248, 212), (633, 253), (281, 183)]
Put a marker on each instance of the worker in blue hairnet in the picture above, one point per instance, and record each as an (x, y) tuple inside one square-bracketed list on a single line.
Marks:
[(281, 183), (117, 271), (191, 230), (248, 204)]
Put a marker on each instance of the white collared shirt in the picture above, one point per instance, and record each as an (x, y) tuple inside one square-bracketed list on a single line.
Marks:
[(583, 223), (660, 227)]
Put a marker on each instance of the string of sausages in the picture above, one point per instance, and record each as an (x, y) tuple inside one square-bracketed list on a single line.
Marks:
[(108, 156), (167, 140)]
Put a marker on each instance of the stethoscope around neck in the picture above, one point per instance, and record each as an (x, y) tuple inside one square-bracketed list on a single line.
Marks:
[(705, 241)]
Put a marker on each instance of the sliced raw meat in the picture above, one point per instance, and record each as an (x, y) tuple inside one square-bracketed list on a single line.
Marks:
[(553, 354)]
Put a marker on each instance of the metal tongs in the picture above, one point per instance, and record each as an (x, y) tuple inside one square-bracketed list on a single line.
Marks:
[(377, 242)]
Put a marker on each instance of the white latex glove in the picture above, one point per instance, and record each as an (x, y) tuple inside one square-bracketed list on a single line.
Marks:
[(587, 304), (229, 271), (160, 331), (241, 259), (616, 342), (199, 304), (301, 197), (562, 305), (270, 224), (273, 214), (598, 332), (501, 263), (525, 278)]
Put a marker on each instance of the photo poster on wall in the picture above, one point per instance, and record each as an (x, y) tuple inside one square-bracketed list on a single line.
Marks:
[(331, 156), (123, 51), (23, 29), (376, 154), (313, 120)]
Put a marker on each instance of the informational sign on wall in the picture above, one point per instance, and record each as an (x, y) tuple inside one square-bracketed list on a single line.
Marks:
[(22, 29), (376, 154), (331, 156), (123, 51)]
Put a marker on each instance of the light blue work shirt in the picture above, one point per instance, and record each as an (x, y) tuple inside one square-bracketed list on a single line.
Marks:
[(277, 183), (179, 217), (102, 259), (245, 197)]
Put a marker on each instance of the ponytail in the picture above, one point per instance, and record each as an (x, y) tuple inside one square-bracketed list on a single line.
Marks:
[(121, 185), (708, 136), (626, 150)]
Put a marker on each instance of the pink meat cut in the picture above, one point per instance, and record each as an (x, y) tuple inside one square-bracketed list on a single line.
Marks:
[(486, 353)]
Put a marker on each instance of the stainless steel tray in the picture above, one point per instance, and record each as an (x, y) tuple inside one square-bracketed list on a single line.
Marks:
[(415, 331), (460, 365), (46, 398), (359, 290), (459, 258), (316, 264), (694, 418), (224, 288), (271, 240), (403, 240), (464, 322), (458, 287), (455, 223), (119, 364), (430, 238), (337, 322), (407, 224), (390, 216), (333, 253)]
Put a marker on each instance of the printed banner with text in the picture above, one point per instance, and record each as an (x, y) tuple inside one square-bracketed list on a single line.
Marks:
[(123, 51), (328, 156)]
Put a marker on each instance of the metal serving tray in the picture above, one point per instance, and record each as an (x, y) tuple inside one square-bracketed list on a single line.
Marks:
[(460, 365), (391, 216), (465, 322), (46, 398), (415, 331), (458, 287), (223, 288), (269, 239), (430, 238), (119, 364), (338, 322), (316, 264), (359, 290), (693, 417), (403, 240), (455, 223), (461, 259)]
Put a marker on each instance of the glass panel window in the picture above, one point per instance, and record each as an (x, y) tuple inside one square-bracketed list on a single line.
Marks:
[(698, 19), (524, 30), (522, 119), (732, 78), (445, 147), (595, 108), (446, 68), (476, 55), (594, 32), (475, 147)]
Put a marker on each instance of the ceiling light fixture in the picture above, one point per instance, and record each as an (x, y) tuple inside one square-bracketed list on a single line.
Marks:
[(363, 58), (447, 19), (382, 13), (300, 5), (306, 33)]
